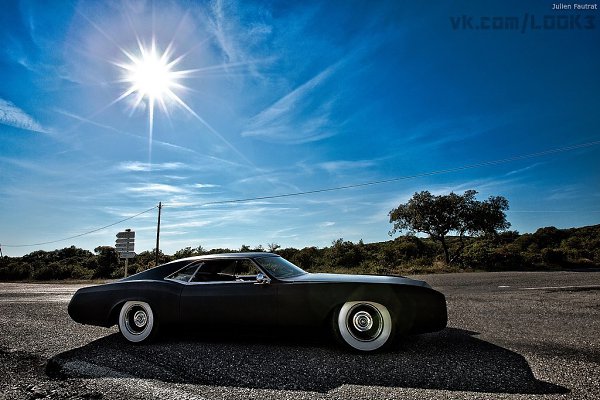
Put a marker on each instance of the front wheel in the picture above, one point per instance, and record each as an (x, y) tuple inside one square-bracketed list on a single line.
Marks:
[(364, 325), (136, 321)]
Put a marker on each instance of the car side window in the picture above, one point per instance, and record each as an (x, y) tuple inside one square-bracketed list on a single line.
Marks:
[(246, 270), (226, 271), (215, 271), (184, 274)]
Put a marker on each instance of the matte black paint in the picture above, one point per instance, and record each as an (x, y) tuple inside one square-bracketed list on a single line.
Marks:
[(306, 300)]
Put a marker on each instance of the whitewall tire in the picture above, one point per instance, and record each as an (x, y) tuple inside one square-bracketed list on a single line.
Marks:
[(364, 325), (136, 321)]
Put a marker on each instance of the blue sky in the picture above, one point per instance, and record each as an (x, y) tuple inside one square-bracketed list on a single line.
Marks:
[(280, 97)]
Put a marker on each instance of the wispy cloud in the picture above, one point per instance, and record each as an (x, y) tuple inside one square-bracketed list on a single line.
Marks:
[(188, 224), (342, 166), (484, 186), (85, 120), (234, 37), (156, 188), (214, 162), (298, 117), (29, 166), (138, 166), (524, 169), (326, 224), (443, 132), (12, 115), (567, 192)]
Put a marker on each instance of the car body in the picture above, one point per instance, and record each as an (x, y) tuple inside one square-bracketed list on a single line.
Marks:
[(262, 289)]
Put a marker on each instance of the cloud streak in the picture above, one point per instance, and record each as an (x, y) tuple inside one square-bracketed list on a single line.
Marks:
[(342, 166), (296, 117), (235, 37), (12, 115), (137, 166), (156, 188)]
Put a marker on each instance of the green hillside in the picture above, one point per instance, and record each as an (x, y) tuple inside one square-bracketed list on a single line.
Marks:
[(546, 249)]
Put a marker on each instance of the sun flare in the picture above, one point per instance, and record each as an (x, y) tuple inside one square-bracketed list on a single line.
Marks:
[(150, 76)]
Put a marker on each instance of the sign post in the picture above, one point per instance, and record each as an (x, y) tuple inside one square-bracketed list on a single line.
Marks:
[(125, 246)]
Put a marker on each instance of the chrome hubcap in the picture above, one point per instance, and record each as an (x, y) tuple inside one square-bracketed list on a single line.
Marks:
[(136, 319), (362, 321), (140, 318)]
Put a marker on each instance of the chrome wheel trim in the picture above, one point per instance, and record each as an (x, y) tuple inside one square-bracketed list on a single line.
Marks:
[(362, 321), (136, 321), (364, 325), (140, 318)]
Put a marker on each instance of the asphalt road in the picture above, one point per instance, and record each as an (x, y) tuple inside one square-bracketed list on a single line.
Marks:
[(510, 336)]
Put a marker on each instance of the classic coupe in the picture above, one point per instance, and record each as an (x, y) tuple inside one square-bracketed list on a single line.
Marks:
[(365, 312)]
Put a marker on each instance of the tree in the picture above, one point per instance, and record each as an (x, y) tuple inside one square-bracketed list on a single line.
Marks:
[(344, 254), (441, 215), (189, 252), (245, 248), (273, 247), (183, 253), (107, 260)]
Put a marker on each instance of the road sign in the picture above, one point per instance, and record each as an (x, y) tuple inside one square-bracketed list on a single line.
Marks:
[(127, 254), (125, 244), (126, 235)]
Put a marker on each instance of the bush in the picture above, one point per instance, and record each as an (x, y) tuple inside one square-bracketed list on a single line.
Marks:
[(546, 248), (14, 271), (554, 257)]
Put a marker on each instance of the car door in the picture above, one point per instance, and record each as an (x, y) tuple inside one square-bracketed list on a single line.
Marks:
[(225, 292)]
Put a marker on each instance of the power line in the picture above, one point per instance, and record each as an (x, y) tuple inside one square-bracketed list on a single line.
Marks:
[(353, 186), (81, 234), (407, 177)]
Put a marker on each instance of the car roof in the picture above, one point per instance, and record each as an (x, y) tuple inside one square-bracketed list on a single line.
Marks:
[(255, 254)]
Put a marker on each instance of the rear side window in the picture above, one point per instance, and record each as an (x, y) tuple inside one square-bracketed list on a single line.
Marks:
[(185, 274)]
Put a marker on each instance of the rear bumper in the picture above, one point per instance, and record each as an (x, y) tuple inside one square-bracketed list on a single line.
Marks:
[(85, 308)]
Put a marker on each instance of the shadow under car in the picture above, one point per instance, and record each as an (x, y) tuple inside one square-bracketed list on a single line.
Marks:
[(452, 359)]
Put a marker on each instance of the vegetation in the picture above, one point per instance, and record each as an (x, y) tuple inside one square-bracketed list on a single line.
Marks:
[(464, 234), (547, 248), (438, 216)]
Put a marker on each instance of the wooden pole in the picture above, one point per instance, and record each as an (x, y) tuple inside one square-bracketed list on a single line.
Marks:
[(158, 233)]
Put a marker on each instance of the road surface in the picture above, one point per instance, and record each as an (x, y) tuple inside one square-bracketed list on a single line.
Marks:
[(510, 335)]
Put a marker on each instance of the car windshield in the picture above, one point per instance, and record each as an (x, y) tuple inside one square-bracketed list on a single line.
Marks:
[(279, 268)]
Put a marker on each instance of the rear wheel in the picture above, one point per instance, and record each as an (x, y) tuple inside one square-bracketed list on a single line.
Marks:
[(363, 325), (136, 321)]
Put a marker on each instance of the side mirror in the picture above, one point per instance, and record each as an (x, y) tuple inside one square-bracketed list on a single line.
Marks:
[(262, 279)]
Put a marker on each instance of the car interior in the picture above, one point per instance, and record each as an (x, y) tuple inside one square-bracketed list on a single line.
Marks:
[(217, 271)]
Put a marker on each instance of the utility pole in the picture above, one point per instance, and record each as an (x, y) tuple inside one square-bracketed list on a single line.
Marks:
[(158, 233)]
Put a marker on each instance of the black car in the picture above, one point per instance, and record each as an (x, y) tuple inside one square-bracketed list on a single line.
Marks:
[(263, 290)]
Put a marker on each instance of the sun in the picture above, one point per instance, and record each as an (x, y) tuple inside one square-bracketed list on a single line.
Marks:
[(151, 77)]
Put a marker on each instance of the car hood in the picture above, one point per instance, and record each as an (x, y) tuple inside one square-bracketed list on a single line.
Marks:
[(346, 278)]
